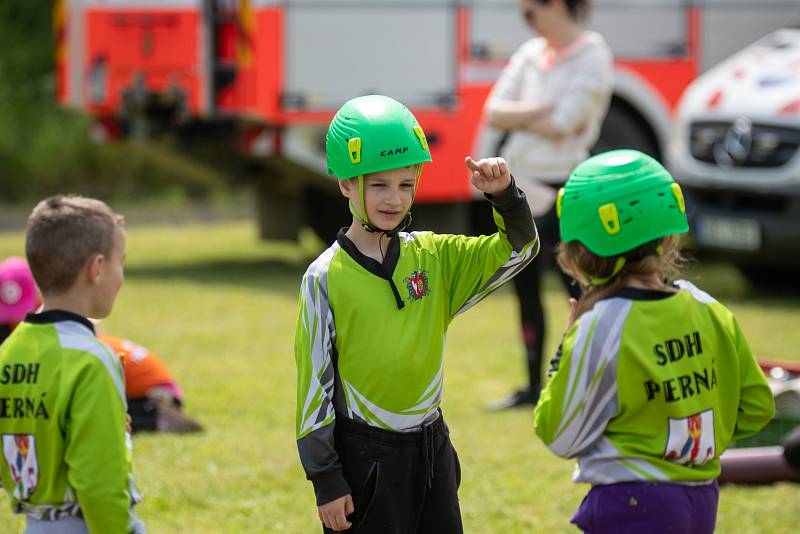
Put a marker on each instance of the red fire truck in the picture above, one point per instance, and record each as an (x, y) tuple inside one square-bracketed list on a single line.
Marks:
[(265, 77)]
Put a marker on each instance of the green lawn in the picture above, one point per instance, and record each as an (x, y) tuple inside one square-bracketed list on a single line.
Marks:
[(219, 307)]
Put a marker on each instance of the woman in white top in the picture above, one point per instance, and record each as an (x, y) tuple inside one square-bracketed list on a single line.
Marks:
[(551, 100)]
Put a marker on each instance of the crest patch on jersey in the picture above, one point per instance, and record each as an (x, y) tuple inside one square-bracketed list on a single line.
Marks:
[(691, 439), (417, 285), (20, 453)]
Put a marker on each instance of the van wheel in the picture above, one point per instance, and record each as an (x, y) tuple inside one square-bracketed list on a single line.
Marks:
[(624, 129), (769, 278)]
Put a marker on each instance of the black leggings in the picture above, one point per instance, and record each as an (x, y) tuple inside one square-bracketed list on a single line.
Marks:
[(402, 483), (144, 413), (527, 284)]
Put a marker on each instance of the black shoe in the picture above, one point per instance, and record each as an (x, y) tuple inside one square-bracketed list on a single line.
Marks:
[(521, 397)]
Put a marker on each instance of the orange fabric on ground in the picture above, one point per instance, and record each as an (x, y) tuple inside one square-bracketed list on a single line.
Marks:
[(143, 369)]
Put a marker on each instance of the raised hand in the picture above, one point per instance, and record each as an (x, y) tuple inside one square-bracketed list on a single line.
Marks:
[(490, 175)]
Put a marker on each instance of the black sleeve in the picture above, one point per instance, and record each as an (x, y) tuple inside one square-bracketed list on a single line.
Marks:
[(512, 206)]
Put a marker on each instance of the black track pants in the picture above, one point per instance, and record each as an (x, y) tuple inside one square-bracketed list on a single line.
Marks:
[(527, 284), (403, 483)]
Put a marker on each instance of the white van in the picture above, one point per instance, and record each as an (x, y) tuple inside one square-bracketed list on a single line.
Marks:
[(734, 149)]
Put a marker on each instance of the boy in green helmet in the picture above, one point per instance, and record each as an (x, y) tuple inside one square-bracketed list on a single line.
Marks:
[(653, 378), (66, 459), (374, 312)]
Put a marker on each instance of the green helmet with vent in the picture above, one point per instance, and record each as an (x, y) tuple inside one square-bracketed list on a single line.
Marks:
[(371, 134), (617, 201)]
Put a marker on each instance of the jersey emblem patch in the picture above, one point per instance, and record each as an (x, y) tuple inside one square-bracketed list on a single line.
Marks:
[(691, 439), (417, 285), (20, 453)]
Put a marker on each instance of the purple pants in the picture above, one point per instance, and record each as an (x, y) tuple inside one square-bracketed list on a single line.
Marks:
[(652, 507)]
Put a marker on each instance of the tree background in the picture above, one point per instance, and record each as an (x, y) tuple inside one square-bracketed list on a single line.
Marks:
[(45, 149)]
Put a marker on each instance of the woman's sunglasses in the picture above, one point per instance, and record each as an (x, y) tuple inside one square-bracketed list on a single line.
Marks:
[(529, 15)]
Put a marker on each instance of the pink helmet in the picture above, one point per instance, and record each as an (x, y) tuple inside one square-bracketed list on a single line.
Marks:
[(17, 290)]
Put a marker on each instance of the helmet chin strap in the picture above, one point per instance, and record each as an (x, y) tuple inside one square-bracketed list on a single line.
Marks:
[(597, 281), (632, 256), (405, 223), (364, 220), (371, 228)]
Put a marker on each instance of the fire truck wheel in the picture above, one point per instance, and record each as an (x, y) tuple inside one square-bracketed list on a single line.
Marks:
[(325, 212), (279, 215), (623, 128)]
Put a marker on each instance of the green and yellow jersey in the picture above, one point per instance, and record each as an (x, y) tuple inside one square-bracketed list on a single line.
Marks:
[(652, 386), (62, 422), (370, 336)]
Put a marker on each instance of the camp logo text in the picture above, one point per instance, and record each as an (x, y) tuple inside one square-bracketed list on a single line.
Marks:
[(417, 285), (394, 151)]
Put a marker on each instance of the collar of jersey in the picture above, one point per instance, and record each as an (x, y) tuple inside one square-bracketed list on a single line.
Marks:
[(635, 293), (54, 316), (383, 270)]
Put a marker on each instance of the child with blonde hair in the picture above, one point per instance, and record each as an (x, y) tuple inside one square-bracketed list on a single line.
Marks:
[(654, 377)]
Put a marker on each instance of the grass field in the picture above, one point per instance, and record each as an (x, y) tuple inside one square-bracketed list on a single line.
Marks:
[(219, 307)]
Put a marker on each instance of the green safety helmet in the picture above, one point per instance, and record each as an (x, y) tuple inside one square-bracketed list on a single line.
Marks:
[(617, 201), (371, 134)]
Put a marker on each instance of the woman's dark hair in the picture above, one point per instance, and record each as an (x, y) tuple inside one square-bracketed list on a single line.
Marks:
[(578, 9)]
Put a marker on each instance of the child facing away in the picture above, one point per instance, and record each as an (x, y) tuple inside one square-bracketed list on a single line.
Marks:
[(153, 397), (374, 312), (66, 455), (653, 378)]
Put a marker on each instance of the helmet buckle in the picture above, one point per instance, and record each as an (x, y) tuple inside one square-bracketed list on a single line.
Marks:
[(676, 191), (354, 149), (609, 218), (559, 200), (421, 136)]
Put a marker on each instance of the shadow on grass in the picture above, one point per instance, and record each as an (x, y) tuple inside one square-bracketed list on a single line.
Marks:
[(275, 276)]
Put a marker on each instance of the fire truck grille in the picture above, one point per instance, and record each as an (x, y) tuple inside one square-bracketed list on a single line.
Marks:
[(743, 144)]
